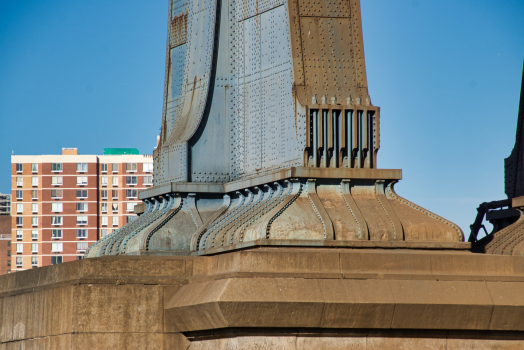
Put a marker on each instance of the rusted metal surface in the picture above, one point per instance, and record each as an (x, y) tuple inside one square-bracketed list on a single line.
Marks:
[(517, 202), (269, 133), (506, 221), (289, 173), (514, 164), (296, 209), (282, 84), (508, 241)]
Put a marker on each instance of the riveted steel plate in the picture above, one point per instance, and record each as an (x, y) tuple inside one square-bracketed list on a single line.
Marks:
[(327, 52), (178, 55), (196, 71), (179, 7), (252, 8), (256, 106), (183, 114), (266, 91), (324, 8), (275, 51), (253, 126), (252, 46)]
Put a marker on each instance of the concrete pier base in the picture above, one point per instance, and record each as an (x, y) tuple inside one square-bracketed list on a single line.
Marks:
[(269, 298)]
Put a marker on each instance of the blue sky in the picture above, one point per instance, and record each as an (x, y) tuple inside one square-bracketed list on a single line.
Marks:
[(445, 73)]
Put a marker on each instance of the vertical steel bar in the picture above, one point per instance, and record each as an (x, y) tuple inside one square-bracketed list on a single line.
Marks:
[(314, 151), (325, 129), (330, 136), (355, 139), (309, 128), (365, 139), (343, 137)]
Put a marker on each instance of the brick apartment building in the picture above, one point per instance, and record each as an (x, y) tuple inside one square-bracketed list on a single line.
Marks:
[(5, 243), (61, 204)]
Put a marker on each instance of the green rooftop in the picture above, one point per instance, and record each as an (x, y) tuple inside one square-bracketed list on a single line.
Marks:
[(119, 151)]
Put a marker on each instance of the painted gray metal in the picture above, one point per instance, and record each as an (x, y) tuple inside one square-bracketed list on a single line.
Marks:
[(294, 209), (268, 133), (233, 105)]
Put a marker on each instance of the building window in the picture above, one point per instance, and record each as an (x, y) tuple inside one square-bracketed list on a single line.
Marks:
[(56, 180), (34, 207), (81, 233), (130, 218), (56, 194), (81, 194), (81, 167), (19, 248), (115, 220), (115, 181), (103, 167), (114, 194), (56, 247), (114, 207), (34, 234), (103, 181), (81, 220), (56, 167), (19, 194), (130, 207), (34, 181), (34, 248), (34, 221), (34, 261), (34, 194), (19, 234), (81, 206), (81, 246), (114, 167), (34, 167), (19, 181), (104, 194), (57, 207), (56, 260), (18, 261), (19, 221), (147, 167), (19, 208), (56, 233), (19, 167), (104, 220), (147, 180), (81, 180), (131, 180), (104, 232), (131, 193), (104, 207), (130, 167), (56, 220)]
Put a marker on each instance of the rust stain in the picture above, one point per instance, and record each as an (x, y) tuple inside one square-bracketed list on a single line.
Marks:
[(179, 30)]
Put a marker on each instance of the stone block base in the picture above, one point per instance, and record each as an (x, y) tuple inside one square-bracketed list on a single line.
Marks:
[(381, 340), (269, 298)]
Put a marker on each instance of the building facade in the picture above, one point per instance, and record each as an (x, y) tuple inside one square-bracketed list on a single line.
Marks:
[(5, 233), (5, 203), (5, 244), (61, 204)]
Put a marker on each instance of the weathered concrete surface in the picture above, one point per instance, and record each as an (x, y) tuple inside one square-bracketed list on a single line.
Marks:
[(341, 343), (269, 298)]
